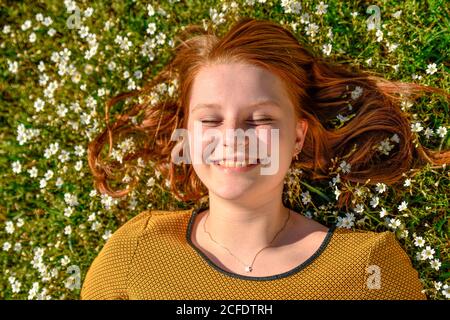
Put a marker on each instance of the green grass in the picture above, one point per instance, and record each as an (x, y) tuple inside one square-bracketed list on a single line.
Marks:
[(36, 212)]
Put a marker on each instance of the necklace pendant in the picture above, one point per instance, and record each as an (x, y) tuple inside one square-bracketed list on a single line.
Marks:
[(248, 269)]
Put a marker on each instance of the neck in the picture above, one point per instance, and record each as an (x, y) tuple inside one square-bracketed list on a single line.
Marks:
[(245, 227)]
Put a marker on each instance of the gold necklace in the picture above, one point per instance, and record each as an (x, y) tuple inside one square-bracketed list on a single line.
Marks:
[(248, 268)]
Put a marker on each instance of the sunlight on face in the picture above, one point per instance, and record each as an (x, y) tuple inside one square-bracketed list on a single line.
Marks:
[(227, 97)]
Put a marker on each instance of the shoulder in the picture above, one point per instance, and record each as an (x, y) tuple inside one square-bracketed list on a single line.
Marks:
[(146, 222), (390, 273), (107, 277), (378, 247)]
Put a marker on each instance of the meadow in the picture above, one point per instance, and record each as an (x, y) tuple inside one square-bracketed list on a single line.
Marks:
[(61, 61)]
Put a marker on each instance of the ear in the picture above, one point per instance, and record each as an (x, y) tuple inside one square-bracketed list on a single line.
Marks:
[(301, 129)]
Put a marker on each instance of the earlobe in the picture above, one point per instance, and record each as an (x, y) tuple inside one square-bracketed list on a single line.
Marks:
[(302, 128)]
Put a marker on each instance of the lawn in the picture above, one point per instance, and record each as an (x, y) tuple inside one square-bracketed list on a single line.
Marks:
[(61, 61)]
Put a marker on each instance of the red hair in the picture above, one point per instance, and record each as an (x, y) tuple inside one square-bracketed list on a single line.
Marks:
[(319, 90)]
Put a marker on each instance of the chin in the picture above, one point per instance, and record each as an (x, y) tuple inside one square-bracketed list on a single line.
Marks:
[(229, 194)]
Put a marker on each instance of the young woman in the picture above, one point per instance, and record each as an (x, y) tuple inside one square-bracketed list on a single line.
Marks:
[(246, 244)]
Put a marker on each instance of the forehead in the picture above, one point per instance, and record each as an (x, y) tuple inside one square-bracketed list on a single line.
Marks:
[(237, 85)]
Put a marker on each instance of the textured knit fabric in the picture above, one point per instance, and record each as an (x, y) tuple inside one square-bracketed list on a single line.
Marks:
[(152, 257)]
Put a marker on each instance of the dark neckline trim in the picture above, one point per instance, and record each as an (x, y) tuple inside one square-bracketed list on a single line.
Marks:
[(296, 269)]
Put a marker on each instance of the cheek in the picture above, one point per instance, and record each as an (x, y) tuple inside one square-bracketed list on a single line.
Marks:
[(200, 146)]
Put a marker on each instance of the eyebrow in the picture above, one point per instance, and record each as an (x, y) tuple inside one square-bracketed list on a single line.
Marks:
[(254, 105)]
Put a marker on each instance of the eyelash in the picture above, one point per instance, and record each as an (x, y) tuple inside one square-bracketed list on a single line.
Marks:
[(256, 120)]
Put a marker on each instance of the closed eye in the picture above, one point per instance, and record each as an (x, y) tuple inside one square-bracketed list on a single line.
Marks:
[(251, 121)]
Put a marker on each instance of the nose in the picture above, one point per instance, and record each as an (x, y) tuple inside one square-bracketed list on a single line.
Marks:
[(235, 142)]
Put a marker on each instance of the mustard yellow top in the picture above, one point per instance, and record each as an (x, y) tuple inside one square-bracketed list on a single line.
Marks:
[(152, 257)]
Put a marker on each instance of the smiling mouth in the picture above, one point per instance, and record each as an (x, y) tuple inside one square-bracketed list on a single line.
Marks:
[(235, 164), (240, 164)]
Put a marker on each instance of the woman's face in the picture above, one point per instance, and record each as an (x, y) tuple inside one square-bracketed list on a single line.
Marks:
[(231, 92)]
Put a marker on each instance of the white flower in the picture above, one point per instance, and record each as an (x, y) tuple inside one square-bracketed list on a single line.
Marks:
[(47, 21), (150, 10), (392, 46), (419, 242), (291, 6), (431, 68), (151, 28), (321, 8), (79, 165), (138, 74), (71, 199), (437, 285), (42, 183), (108, 201), (39, 105), (312, 29), (383, 213), (346, 222), (326, 49), (68, 230), (65, 261), (446, 291), (16, 286), (428, 133), (19, 222), (16, 167), (395, 138), (397, 14), (79, 150), (107, 235), (416, 127), (68, 211), (13, 66), (6, 246), (385, 147), (407, 183), (356, 93), (374, 202), (337, 192), (404, 233), (379, 35), (345, 167), (95, 225), (48, 175), (435, 264), (342, 118), (359, 208), (306, 197), (394, 223), (88, 12), (17, 247), (335, 180), (26, 25), (403, 206), (32, 37), (441, 131), (91, 217), (381, 187), (111, 65), (427, 253)]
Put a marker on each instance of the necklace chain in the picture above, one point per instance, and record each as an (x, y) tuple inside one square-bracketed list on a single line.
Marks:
[(248, 268)]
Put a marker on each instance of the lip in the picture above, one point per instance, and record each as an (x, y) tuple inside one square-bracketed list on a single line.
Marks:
[(236, 169)]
